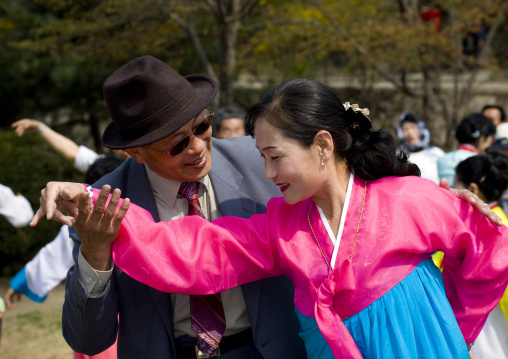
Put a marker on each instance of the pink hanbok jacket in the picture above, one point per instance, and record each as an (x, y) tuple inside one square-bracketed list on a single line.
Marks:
[(404, 220)]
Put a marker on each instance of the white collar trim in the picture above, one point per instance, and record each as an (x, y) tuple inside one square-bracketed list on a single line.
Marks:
[(336, 241)]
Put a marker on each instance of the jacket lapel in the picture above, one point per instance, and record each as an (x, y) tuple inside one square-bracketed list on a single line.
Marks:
[(138, 189)]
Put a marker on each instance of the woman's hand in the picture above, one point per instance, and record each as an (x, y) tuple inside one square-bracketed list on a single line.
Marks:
[(97, 225), (57, 198)]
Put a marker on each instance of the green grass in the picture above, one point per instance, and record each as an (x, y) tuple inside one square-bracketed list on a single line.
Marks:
[(34, 330)]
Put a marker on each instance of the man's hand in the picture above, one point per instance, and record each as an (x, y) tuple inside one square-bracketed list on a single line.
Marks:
[(98, 227), (11, 297), (473, 200)]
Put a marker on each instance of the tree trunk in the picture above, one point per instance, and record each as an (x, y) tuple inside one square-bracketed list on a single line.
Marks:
[(96, 134), (432, 101), (229, 23)]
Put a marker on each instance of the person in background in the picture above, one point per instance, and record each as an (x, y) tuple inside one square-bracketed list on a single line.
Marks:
[(228, 122), (414, 139), (15, 207), (495, 113), (501, 138), (501, 143), (50, 265), (82, 157), (433, 14), (487, 177), (2, 311), (475, 133)]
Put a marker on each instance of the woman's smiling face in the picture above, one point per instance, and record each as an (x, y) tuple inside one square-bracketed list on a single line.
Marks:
[(295, 169)]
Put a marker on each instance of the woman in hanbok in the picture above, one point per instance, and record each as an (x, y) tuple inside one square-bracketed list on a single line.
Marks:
[(354, 232)]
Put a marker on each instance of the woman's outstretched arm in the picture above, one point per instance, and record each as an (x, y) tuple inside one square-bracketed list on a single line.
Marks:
[(189, 255)]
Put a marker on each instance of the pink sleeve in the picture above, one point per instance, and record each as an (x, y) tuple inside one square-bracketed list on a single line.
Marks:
[(193, 256), (475, 265)]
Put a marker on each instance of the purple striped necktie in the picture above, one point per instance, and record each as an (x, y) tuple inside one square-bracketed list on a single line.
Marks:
[(207, 314)]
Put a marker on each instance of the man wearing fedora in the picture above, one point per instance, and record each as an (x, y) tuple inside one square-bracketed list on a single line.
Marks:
[(162, 121)]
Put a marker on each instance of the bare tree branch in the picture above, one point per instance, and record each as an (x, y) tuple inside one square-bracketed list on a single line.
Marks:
[(401, 86)]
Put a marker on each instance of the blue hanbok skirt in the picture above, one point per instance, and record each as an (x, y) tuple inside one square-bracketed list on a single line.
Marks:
[(412, 320)]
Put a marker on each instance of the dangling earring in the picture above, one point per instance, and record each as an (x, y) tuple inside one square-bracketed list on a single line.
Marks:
[(323, 161)]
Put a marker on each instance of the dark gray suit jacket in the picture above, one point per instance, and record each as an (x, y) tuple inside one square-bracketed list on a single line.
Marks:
[(145, 314)]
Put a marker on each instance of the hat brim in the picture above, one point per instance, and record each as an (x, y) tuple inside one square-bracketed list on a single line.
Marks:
[(205, 91)]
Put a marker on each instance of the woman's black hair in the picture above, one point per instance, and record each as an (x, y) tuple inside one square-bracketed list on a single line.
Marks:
[(472, 127), (301, 108), (489, 172)]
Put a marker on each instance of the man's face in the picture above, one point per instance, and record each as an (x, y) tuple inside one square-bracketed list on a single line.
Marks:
[(192, 164), (231, 127), (494, 114)]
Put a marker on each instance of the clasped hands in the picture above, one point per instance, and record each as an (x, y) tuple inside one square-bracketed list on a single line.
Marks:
[(97, 225)]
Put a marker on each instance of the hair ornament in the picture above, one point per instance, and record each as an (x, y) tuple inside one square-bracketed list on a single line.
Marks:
[(476, 134), (356, 108), (357, 119)]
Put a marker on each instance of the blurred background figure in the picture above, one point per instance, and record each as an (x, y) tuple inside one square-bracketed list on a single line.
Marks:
[(14, 207), (18, 212), (501, 143), (229, 122), (44, 272), (501, 138), (432, 13), (2, 310), (475, 133), (50, 265), (487, 177), (414, 139), (495, 113), (81, 156)]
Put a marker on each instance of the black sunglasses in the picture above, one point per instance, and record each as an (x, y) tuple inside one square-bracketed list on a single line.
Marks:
[(184, 142)]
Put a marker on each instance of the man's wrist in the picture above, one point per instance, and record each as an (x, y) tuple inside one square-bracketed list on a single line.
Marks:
[(94, 281), (101, 262)]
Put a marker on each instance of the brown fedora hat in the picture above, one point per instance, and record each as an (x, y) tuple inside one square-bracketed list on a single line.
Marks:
[(148, 101)]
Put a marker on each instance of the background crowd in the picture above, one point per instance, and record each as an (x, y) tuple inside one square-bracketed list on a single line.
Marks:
[(56, 58)]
